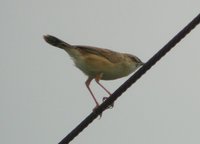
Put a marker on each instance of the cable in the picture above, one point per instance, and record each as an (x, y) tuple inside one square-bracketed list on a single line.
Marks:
[(131, 80)]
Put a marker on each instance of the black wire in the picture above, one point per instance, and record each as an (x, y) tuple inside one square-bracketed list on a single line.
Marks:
[(132, 80)]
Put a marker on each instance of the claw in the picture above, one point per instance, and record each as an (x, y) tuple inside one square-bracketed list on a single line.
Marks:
[(94, 110), (110, 106)]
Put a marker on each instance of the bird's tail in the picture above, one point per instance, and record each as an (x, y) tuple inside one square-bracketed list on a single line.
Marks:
[(56, 42)]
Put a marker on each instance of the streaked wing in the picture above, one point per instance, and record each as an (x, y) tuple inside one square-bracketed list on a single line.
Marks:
[(112, 56)]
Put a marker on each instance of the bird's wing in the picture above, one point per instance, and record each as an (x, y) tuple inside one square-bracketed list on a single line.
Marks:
[(112, 56)]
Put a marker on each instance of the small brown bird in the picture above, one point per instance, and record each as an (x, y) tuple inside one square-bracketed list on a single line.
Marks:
[(98, 63)]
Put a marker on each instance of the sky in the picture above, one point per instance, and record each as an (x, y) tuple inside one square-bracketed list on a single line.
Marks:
[(43, 95)]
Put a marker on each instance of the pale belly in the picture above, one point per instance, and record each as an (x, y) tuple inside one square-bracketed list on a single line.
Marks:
[(108, 71)]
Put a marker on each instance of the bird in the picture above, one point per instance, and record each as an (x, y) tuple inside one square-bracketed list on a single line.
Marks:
[(98, 63)]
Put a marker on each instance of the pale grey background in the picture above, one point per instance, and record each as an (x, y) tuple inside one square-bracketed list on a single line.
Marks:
[(43, 96)]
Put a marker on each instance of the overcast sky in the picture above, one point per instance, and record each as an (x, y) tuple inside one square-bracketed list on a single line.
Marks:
[(43, 95)]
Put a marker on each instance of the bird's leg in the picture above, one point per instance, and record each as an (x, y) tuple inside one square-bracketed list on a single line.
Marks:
[(87, 83), (97, 79)]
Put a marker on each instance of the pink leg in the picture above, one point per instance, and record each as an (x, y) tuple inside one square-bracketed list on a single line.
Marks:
[(104, 98), (87, 83), (97, 80)]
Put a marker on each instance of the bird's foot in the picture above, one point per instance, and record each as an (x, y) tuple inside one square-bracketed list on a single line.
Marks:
[(94, 110), (110, 106)]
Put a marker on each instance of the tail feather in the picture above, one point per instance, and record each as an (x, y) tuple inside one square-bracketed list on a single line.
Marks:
[(56, 42)]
